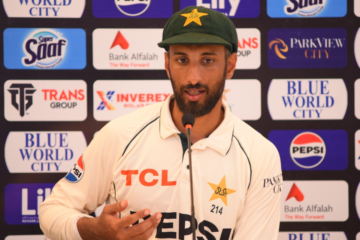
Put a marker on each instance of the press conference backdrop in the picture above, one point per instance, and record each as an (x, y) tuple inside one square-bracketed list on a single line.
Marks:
[(70, 66)]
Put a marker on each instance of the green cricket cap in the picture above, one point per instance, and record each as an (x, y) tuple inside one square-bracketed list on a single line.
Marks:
[(199, 25)]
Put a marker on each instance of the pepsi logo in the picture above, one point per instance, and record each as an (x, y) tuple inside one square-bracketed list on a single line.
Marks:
[(132, 8), (307, 150), (77, 172)]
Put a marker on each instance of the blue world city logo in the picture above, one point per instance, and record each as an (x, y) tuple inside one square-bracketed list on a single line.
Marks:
[(132, 8), (44, 49)]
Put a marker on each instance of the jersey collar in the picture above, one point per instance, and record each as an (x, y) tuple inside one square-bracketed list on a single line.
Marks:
[(219, 140)]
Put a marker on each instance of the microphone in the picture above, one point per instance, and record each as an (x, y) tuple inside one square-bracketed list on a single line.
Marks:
[(188, 121)]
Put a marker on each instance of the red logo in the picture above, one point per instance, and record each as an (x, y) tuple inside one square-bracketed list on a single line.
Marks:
[(145, 182), (250, 43), (121, 41), (296, 193), (53, 94)]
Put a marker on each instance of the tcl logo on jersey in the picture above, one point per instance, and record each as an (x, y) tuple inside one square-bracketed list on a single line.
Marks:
[(357, 10), (357, 149), (306, 8), (312, 149), (115, 98), (44, 49), (357, 98), (132, 9), (312, 236), (119, 49), (307, 48), (44, 9), (307, 99), (144, 177), (243, 97), (231, 8), (27, 237), (314, 201), (249, 55), (43, 152), (45, 100), (22, 202)]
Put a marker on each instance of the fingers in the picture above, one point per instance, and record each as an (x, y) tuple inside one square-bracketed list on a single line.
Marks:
[(146, 226), (116, 207), (136, 216)]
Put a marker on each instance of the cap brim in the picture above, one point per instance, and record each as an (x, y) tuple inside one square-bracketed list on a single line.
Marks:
[(196, 39)]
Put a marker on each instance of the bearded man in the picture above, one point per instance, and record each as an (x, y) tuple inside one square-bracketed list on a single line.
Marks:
[(138, 164)]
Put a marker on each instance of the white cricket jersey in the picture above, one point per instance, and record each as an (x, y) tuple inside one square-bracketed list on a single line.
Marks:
[(140, 157)]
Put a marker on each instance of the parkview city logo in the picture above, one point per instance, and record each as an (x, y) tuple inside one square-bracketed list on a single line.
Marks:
[(44, 9), (249, 55), (119, 49), (29, 48), (230, 8), (357, 46), (357, 149), (132, 9), (307, 99), (307, 48), (27, 237), (45, 100), (357, 98), (314, 201), (43, 152), (22, 202), (115, 98), (306, 8), (312, 236), (311, 150)]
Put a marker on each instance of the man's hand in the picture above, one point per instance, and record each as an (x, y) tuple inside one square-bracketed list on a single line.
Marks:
[(109, 226)]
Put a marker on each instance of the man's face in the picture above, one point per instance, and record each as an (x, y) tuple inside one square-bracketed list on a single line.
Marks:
[(197, 74)]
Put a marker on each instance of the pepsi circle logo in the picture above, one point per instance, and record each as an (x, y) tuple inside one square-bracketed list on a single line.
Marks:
[(307, 150), (77, 172), (132, 8)]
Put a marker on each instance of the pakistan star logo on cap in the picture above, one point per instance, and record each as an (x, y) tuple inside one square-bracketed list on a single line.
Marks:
[(194, 16)]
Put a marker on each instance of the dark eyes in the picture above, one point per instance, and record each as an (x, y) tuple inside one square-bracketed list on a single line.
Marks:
[(205, 60)]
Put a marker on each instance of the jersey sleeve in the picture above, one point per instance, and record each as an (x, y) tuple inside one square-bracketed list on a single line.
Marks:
[(260, 217), (83, 189)]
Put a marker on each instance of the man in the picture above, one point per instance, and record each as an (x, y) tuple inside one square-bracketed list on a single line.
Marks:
[(138, 163)]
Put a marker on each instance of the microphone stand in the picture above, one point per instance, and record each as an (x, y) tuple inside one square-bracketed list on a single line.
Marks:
[(188, 129)]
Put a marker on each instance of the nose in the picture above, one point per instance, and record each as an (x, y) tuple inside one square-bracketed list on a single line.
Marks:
[(194, 75)]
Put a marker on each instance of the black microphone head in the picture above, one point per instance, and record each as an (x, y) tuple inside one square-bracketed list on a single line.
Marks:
[(188, 118)]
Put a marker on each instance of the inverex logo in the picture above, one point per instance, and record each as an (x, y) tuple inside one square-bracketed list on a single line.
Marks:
[(44, 8), (43, 48), (312, 235), (231, 8), (249, 55), (307, 99), (132, 9), (45, 100), (357, 98), (306, 8), (311, 149), (243, 97), (22, 202), (115, 98), (119, 49), (43, 152), (357, 149), (307, 48), (314, 201)]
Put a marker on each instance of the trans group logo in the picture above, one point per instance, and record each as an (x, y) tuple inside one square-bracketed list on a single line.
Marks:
[(357, 149), (45, 100), (315, 201), (312, 236), (132, 9), (307, 99), (306, 8), (43, 152), (249, 55), (231, 8), (27, 48), (22, 202), (311, 150), (307, 48), (44, 9)]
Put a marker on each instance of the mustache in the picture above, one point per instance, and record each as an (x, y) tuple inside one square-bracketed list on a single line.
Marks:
[(197, 85)]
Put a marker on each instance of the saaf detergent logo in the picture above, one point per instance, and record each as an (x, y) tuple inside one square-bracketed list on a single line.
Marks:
[(307, 48), (311, 150), (306, 8), (231, 8), (44, 8), (132, 8), (43, 152), (22, 202), (307, 99), (44, 48)]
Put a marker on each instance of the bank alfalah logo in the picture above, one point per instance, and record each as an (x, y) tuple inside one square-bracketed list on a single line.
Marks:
[(25, 91)]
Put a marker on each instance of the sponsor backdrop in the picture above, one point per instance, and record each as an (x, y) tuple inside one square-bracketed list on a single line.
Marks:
[(69, 66)]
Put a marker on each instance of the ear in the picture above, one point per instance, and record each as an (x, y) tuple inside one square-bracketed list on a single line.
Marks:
[(231, 65), (166, 56)]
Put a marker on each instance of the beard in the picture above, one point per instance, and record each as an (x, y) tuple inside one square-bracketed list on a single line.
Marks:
[(212, 96)]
